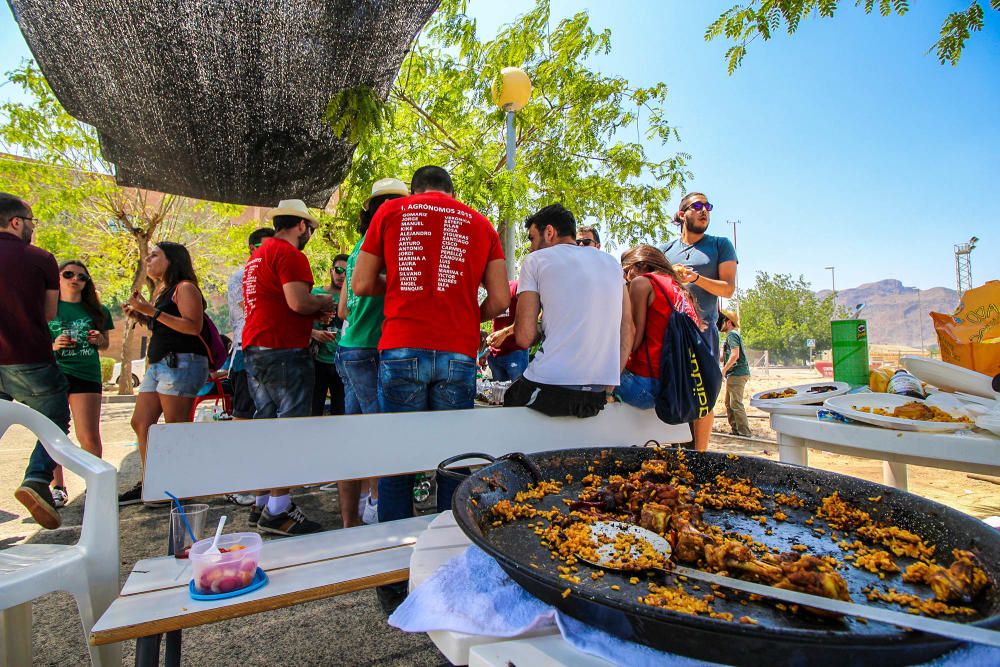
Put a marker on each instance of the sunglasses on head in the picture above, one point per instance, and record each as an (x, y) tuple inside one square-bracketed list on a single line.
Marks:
[(699, 205), (339, 270), (69, 275), (586, 242)]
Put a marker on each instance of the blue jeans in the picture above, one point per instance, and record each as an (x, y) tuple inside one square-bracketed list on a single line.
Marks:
[(507, 367), (358, 368), (41, 387), (281, 381), (413, 380), (638, 391)]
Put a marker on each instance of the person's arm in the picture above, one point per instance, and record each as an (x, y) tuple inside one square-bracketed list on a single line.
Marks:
[(640, 293), (342, 312), (300, 298), (724, 286), (734, 356), (497, 291), (627, 330), (367, 279), (189, 303), (529, 305), (51, 304)]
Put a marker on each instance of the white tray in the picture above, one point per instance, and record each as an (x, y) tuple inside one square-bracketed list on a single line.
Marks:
[(845, 405), (949, 376), (802, 397)]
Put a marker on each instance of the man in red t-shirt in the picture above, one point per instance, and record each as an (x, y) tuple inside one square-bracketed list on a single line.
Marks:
[(507, 359), (280, 310), (29, 292), (436, 252)]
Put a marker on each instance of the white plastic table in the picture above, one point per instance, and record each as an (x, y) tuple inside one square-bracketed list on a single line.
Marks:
[(443, 540), (965, 451)]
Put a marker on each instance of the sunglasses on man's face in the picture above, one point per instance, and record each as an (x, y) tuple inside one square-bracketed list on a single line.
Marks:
[(699, 205), (69, 275), (339, 270), (586, 242)]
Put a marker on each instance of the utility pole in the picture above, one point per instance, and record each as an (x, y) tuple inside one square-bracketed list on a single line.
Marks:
[(736, 282), (963, 265)]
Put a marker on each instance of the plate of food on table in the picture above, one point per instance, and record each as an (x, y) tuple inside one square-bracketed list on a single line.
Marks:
[(803, 399), (902, 413)]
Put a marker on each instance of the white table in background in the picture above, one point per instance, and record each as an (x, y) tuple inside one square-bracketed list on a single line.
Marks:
[(968, 452), (444, 540)]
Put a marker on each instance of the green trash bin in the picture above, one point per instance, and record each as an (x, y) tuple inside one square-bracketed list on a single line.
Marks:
[(850, 351)]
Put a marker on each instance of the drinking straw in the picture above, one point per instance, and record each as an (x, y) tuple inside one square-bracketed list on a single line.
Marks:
[(183, 517)]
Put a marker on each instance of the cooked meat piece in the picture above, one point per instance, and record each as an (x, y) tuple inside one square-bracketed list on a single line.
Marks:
[(737, 559), (963, 580), (689, 543), (914, 410), (810, 574), (655, 517)]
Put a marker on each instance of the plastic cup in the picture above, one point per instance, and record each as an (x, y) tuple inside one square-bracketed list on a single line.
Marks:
[(229, 571), (180, 539)]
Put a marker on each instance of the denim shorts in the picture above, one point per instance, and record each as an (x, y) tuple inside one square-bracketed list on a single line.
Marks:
[(638, 391), (185, 380)]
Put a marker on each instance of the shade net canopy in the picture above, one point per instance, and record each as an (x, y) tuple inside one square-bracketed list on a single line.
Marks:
[(219, 99)]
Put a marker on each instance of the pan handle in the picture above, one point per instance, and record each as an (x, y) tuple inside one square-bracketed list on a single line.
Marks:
[(523, 459), (457, 475)]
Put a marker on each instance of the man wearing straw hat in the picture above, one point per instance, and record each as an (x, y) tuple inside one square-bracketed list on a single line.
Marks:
[(280, 311), (737, 372)]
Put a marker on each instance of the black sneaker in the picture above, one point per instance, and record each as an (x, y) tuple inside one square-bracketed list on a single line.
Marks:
[(292, 522), (255, 513), (131, 497), (391, 596), (37, 498), (59, 497)]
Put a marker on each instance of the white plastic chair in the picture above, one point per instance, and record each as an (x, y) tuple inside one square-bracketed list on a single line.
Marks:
[(88, 569)]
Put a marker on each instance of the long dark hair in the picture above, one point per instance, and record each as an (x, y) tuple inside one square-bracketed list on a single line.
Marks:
[(650, 259), (89, 299), (367, 214), (180, 267)]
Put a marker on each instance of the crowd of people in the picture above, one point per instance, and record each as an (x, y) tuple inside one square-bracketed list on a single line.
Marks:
[(396, 329)]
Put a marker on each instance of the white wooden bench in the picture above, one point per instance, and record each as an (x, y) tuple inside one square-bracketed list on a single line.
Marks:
[(208, 458)]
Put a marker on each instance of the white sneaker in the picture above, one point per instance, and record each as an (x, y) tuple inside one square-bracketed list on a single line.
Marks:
[(370, 515), (243, 499), (59, 496)]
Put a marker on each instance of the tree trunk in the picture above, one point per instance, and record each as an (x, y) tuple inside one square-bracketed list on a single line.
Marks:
[(125, 387)]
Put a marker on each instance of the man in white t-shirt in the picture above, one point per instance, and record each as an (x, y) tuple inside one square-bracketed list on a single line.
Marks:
[(586, 328)]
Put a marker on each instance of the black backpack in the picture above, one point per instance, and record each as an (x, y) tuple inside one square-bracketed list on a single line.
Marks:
[(690, 376)]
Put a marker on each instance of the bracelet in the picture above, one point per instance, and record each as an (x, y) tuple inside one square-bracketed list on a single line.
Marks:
[(695, 281), (156, 314)]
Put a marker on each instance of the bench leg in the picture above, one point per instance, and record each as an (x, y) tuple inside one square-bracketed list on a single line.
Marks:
[(172, 652), (15, 635), (147, 651), (894, 474), (792, 450)]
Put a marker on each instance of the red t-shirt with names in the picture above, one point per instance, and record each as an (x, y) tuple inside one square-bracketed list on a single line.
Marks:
[(269, 320), (435, 250), (505, 319)]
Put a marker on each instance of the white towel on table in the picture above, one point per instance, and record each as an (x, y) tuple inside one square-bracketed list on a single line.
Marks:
[(472, 594)]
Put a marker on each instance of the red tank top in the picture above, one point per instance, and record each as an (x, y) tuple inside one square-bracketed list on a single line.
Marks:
[(645, 361)]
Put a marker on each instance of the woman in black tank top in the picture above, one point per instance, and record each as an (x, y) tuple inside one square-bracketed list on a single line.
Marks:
[(177, 363)]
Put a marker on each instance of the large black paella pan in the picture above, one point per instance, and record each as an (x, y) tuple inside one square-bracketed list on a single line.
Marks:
[(777, 634)]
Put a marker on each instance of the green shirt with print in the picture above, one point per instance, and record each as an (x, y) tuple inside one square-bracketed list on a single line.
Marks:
[(82, 360), (363, 326), (326, 352), (733, 342)]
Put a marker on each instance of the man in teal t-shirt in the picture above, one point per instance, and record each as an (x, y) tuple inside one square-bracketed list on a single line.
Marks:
[(325, 338), (737, 371)]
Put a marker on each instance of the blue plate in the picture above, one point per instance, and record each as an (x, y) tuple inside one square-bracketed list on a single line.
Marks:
[(259, 581)]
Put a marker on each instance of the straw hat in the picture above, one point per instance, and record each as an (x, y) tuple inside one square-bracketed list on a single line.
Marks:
[(387, 186), (295, 207), (731, 316)]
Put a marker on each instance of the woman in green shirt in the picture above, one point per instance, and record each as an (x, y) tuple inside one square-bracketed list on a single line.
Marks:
[(79, 331)]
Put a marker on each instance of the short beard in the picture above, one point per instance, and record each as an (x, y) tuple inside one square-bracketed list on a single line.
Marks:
[(26, 234), (303, 240), (692, 227)]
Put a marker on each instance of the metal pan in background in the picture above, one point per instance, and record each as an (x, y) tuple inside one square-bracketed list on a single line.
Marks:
[(780, 638)]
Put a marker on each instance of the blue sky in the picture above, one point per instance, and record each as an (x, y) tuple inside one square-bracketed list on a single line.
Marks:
[(845, 145)]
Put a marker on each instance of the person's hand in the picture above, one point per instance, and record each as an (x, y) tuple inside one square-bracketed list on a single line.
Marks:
[(138, 304), (321, 336), (62, 342), (496, 338), (686, 274), (94, 337)]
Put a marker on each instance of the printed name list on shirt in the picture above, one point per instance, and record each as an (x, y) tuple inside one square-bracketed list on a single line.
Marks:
[(412, 252)]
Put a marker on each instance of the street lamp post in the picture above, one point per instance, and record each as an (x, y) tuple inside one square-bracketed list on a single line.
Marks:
[(511, 93), (833, 285), (736, 281)]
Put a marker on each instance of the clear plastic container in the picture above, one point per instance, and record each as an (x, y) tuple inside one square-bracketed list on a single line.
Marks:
[(230, 570)]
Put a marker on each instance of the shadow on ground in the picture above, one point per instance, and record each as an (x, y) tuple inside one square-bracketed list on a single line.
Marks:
[(345, 630)]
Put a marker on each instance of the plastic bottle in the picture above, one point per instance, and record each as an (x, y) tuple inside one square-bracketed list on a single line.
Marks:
[(904, 384)]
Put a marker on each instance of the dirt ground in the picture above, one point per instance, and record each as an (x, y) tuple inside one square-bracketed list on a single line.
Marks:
[(339, 630)]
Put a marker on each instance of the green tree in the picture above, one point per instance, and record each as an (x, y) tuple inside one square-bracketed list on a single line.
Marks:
[(579, 140), (54, 161), (779, 313), (743, 23)]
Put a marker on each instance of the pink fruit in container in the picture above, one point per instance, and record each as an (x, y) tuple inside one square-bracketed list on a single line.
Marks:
[(230, 570)]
